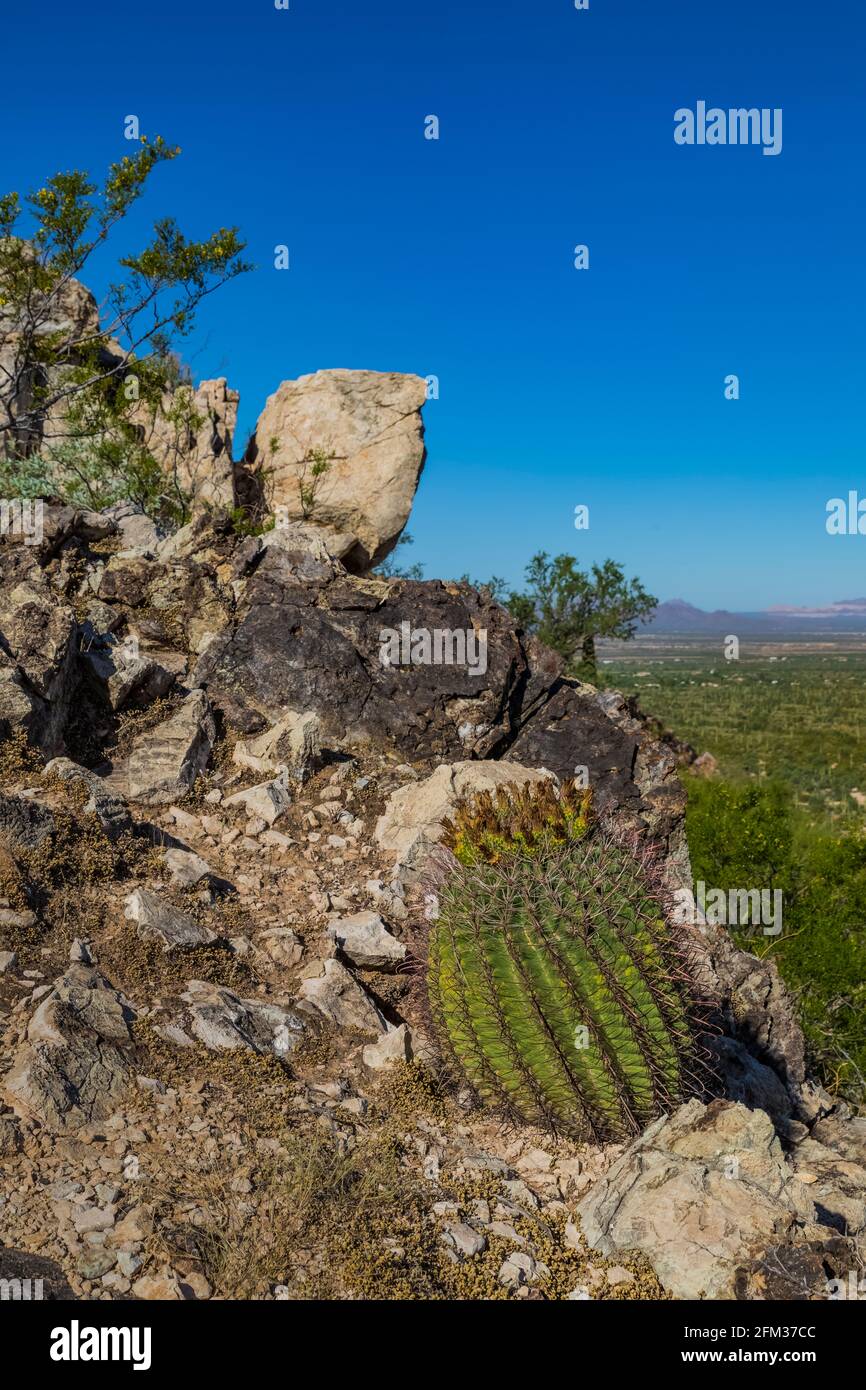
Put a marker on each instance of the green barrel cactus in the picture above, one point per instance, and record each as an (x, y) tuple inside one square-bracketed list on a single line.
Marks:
[(558, 990)]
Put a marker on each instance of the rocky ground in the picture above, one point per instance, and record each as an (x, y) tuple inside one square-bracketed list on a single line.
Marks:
[(212, 1092), (217, 1079)]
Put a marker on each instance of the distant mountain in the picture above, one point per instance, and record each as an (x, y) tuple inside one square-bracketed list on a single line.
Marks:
[(846, 607), (678, 616)]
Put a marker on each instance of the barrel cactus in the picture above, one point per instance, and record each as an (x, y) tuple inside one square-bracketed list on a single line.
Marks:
[(557, 988)]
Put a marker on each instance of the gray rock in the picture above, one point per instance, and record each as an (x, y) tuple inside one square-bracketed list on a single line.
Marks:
[(166, 762), (268, 800), (159, 920), (294, 743), (17, 921), (186, 868), (87, 1218), (702, 1193), (365, 940), (522, 1268), (73, 1065), (221, 1020), (137, 531), (335, 994), (280, 947), (94, 1263), (24, 823), (464, 1239), (393, 1047), (138, 682), (749, 1081), (104, 802)]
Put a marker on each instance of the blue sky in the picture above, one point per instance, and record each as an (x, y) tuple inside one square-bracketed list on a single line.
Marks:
[(455, 257)]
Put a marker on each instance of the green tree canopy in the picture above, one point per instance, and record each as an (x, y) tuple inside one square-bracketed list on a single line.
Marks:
[(568, 608), (67, 394)]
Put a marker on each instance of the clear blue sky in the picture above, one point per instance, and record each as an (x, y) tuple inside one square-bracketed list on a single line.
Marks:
[(454, 257)]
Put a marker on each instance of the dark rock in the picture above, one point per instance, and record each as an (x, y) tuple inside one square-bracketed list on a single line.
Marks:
[(24, 824), (749, 1081), (792, 1273), (41, 1279)]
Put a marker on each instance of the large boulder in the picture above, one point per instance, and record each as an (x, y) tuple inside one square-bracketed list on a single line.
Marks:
[(192, 440), (707, 1195), (367, 427)]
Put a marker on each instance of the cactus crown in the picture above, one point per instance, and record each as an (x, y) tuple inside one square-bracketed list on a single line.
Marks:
[(532, 819), (556, 987)]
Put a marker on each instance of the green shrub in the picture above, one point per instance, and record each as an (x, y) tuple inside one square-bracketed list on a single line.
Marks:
[(743, 835)]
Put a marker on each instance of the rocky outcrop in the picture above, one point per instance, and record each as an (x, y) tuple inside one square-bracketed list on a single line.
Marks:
[(68, 315), (308, 636), (365, 428), (710, 1198), (197, 447), (299, 657), (38, 651)]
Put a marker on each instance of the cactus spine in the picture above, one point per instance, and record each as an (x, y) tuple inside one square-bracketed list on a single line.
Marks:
[(557, 989)]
